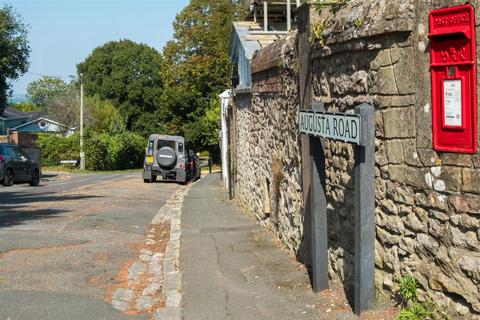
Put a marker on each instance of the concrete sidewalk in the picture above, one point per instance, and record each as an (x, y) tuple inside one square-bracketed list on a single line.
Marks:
[(232, 268)]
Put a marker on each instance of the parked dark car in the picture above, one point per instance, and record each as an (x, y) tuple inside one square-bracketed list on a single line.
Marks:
[(167, 158), (16, 166), (194, 165)]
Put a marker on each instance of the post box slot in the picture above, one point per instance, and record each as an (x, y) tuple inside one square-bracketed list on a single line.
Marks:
[(448, 36)]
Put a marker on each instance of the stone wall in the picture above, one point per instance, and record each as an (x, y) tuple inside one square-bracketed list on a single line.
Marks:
[(267, 156), (427, 202)]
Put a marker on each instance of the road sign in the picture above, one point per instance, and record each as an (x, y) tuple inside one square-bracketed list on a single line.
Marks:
[(358, 128), (339, 126), (68, 161)]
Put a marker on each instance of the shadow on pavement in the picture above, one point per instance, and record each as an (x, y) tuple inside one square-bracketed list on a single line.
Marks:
[(49, 175), (15, 207), (25, 198), (10, 217)]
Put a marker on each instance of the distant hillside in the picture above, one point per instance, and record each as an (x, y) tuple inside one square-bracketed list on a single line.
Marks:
[(18, 98)]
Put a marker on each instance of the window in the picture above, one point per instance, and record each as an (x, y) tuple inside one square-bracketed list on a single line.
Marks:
[(11, 152), (21, 153), (165, 143)]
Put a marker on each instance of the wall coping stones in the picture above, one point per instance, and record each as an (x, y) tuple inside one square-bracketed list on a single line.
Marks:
[(361, 19)]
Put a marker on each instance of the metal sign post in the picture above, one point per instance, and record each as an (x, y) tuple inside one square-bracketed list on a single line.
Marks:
[(365, 211), (318, 206), (359, 129)]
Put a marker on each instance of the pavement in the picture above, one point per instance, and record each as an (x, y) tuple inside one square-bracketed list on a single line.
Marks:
[(233, 268), (78, 244)]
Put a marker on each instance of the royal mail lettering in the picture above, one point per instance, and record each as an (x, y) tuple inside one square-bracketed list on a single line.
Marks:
[(454, 20)]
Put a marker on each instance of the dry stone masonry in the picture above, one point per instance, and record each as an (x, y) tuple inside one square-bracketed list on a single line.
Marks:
[(427, 202)]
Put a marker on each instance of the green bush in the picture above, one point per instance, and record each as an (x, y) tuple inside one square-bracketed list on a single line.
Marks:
[(102, 151), (97, 155), (56, 148)]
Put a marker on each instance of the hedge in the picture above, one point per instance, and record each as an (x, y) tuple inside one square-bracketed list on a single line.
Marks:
[(102, 151)]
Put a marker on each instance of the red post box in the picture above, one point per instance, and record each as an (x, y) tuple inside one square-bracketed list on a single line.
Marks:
[(453, 71)]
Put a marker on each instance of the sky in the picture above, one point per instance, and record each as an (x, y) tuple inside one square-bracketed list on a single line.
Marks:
[(63, 33)]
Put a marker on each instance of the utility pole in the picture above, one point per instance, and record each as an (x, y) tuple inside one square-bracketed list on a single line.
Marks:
[(82, 154)]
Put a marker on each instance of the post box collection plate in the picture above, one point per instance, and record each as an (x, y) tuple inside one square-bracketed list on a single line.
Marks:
[(453, 75)]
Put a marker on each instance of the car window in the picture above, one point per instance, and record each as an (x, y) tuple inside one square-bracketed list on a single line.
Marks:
[(2, 150), (11, 152), (21, 153), (165, 143)]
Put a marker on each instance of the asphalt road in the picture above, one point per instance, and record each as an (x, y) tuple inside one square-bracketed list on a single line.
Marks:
[(65, 244)]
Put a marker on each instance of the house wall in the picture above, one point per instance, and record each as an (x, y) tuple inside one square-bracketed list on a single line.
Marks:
[(48, 127), (23, 138), (427, 202)]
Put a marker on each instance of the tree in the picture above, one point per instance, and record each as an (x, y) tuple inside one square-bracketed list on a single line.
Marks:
[(102, 116), (26, 106), (65, 107), (61, 102), (57, 98), (204, 130), (46, 89), (198, 56), (196, 69), (127, 74), (14, 51)]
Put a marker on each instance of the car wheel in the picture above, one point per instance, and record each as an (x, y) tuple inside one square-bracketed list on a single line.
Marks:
[(8, 179), (154, 178), (35, 178)]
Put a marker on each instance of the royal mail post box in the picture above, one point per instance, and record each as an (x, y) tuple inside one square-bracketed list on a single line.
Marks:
[(453, 75)]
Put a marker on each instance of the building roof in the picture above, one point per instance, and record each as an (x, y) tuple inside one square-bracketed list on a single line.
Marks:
[(244, 34), (12, 113), (38, 120)]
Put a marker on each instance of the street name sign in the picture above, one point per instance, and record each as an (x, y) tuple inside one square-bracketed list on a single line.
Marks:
[(338, 126), (357, 128)]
